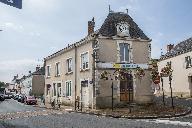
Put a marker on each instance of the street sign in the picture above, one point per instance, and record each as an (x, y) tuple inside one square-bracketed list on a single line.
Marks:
[(14, 3)]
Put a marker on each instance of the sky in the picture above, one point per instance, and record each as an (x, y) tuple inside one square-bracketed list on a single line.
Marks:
[(43, 27)]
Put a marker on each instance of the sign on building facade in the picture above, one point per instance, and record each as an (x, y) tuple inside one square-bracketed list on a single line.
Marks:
[(122, 66)]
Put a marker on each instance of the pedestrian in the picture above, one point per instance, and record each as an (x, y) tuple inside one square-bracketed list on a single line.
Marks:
[(53, 102), (43, 99)]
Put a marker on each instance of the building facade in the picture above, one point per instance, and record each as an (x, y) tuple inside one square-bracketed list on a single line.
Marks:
[(34, 83), (75, 71), (180, 58)]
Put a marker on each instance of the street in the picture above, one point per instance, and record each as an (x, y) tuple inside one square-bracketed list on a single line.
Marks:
[(18, 115), (10, 105)]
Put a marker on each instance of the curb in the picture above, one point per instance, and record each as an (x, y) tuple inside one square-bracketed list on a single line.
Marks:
[(137, 117)]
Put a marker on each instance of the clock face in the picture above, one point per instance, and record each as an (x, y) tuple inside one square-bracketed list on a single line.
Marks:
[(123, 29)]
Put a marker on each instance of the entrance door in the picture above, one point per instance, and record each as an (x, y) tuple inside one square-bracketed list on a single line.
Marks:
[(190, 84), (85, 93), (126, 90)]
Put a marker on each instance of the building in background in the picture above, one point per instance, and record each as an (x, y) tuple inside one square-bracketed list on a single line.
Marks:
[(180, 58), (74, 72), (33, 84)]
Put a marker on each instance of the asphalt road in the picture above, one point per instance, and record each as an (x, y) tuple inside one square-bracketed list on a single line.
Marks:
[(10, 105), (33, 117), (76, 120)]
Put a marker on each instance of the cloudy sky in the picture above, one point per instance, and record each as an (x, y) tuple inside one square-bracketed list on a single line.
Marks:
[(44, 26)]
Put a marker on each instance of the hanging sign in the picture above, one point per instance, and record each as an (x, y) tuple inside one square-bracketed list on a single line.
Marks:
[(14, 3)]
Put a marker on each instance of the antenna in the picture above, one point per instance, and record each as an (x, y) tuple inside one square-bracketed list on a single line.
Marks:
[(127, 10), (109, 8)]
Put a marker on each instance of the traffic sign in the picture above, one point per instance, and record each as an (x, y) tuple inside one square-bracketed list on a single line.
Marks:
[(14, 3)]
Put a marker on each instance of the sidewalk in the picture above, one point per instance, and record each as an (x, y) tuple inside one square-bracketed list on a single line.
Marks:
[(48, 106), (152, 111)]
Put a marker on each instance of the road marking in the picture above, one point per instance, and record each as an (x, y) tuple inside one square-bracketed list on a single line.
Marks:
[(158, 121)]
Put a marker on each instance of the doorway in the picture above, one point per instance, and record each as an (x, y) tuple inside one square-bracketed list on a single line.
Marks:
[(126, 89), (190, 84), (84, 93)]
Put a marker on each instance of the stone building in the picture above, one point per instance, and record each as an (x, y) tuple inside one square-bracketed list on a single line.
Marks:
[(33, 83), (180, 58), (75, 71)]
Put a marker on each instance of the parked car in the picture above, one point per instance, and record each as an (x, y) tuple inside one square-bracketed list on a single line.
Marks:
[(21, 98), (16, 97), (30, 100), (8, 95), (2, 94)]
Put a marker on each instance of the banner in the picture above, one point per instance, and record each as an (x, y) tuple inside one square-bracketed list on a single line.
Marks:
[(14, 3)]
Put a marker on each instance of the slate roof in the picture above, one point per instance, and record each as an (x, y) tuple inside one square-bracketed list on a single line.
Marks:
[(180, 48), (109, 26), (108, 29)]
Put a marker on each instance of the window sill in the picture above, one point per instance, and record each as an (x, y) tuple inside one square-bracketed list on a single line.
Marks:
[(83, 70), (68, 73), (48, 77), (57, 75)]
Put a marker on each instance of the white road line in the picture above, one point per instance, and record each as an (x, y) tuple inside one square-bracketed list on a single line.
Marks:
[(158, 121)]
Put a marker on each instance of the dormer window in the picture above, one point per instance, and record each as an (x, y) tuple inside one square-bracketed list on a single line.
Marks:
[(123, 29), (124, 52)]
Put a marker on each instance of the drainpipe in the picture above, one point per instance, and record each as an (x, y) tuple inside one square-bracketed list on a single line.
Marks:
[(93, 72), (75, 75)]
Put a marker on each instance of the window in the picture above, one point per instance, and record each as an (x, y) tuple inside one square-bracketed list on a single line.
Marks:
[(84, 61), (57, 69), (68, 88), (48, 89), (54, 89), (48, 71), (124, 52), (59, 89), (69, 65), (188, 62)]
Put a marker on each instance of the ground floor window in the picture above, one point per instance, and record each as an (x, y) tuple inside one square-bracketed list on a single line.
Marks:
[(48, 89), (68, 88), (54, 89), (59, 89)]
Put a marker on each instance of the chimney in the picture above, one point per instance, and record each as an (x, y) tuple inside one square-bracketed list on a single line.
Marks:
[(91, 25), (15, 77), (38, 67), (170, 47)]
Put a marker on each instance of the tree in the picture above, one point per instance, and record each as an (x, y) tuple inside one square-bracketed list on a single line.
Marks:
[(2, 84)]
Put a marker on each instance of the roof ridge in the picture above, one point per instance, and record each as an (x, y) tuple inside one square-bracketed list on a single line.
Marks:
[(70, 46)]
